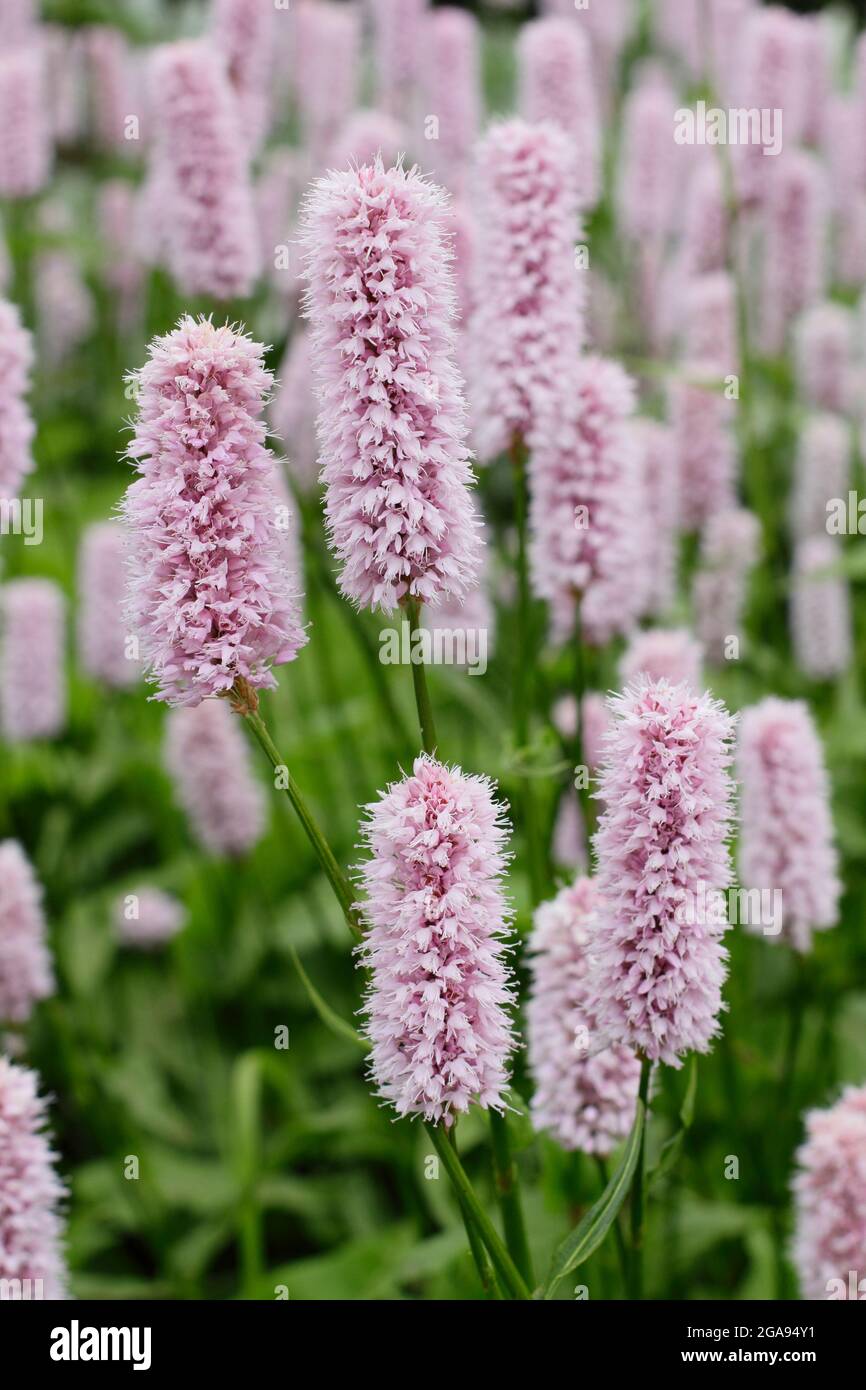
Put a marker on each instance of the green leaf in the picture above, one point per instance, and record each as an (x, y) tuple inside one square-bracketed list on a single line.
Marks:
[(589, 1233), (670, 1150), (331, 1019)]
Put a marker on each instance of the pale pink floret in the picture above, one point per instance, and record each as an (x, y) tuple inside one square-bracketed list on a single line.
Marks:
[(451, 69), (212, 240), (671, 654), (147, 917), (658, 964), (824, 355), (244, 32), (527, 330), (104, 649), (293, 411), (437, 1005), (729, 550), (209, 597), (26, 973), (585, 1102), (25, 115), (364, 135), (208, 760), (786, 837), (392, 425), (31, 1230), (662, 499), (820, 609), (16, 423), (33, 683), (821, 472), (795, 244), (586, 507), (830, 1200), (555, 65)]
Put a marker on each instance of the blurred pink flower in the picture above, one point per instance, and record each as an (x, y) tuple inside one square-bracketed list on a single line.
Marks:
[(26, 973), (824, 356), (670, 654), (293, 410), (703, 441), (364, 135), (244, 32), (33, 681), (31, 1231), (102, 634), (147, 917), (662, 499), (795, 244), (821, 472), (16, 423), (398, 37), (820, 609), (451, 78), (729, 550), (555, 65), (830, 1199), (208, 760), (25, 133)]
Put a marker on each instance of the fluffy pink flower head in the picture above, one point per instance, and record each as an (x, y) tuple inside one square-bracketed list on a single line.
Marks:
[(25, 134), (147, 917), (392, 425), (704, 448), (586, 507), (437, 1006), (31, 1230), (16, 423), (452, 87), (658, 965), (729, 550), (820, 609), (586, 1102), (662, 499), (243, 31), (824, 354), (555, 79), (103, 641), (209, 595), (398, 29), (33, 681), (795, 244), (208, 760), (212, 240), (830, 1200), (293, 410), (786, 837), (26, 973), (670, 654), (365, 135), (822, 469), (527, 330)]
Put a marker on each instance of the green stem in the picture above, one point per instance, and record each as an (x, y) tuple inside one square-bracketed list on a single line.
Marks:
[(511, 1277), (476, 1244), (622, 1252), (579, 752), (507, 1186), (638, 1192), (523, 653), (245, 703), (419, 680)]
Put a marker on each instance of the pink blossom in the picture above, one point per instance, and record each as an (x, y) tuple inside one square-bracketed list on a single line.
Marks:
[(293, 411), (112, 97), (648, 179), (18, 21), (711, 322), (661, 843), (568, 845), (555, 84), (437, 1005), (364, 135), (795, 244), (209, 596), (585, 1102), (212, 244), (25, 135), (64, 307), (821, 472), (527, 330), (33, 683), (102, 637), (26, 973), (786, 837), (824, 354), (147, 917), (670, 654), (208, 760), (243, 31), (277, 193), (16, 423), (820, 609), (830, 1199), (392, 425), (398, 38), (662, 500), (729, 549), (703, 444), (327, 74), (451, 71), (771, 77), (706, 220), (122, 269), (31, 1231)]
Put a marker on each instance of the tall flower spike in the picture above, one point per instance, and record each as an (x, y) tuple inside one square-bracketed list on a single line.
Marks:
[(26, 973), (392, 424), (711, 322), (209, 595), (25, 135), (527, 330), (31, 1230), (795, 244), (440, 987), (820, 609), (212, 240), (662, 499), (786, 837), (208, 760), (824, 354), (33, 682), (398, 27), (771, 77), (451, 70), (704, 450), (658, 958), (706, 219), (110, 74), (16, 423), (585, 1102), (555, 84), (244, 32), (830, 1200), (729, 550), (327, 76), (147, 917), (102, 637), (822, 469), (293, 410), (586, 507), (663, 654)]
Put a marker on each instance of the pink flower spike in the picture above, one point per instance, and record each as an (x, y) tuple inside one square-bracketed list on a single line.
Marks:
[(31, 1230), (663, 654), (208, 759), (730, 545), (440, 990), (25, 115), (821, 474), (392, 425), (824, 352), (16, 423), (830, 1200), (209, 595), (146, 918), (103, 642), (244, 32), (32, 640), (555, 65), (26, 973), (658, 958), (820, 609), (451, 70), (584, 1099)]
